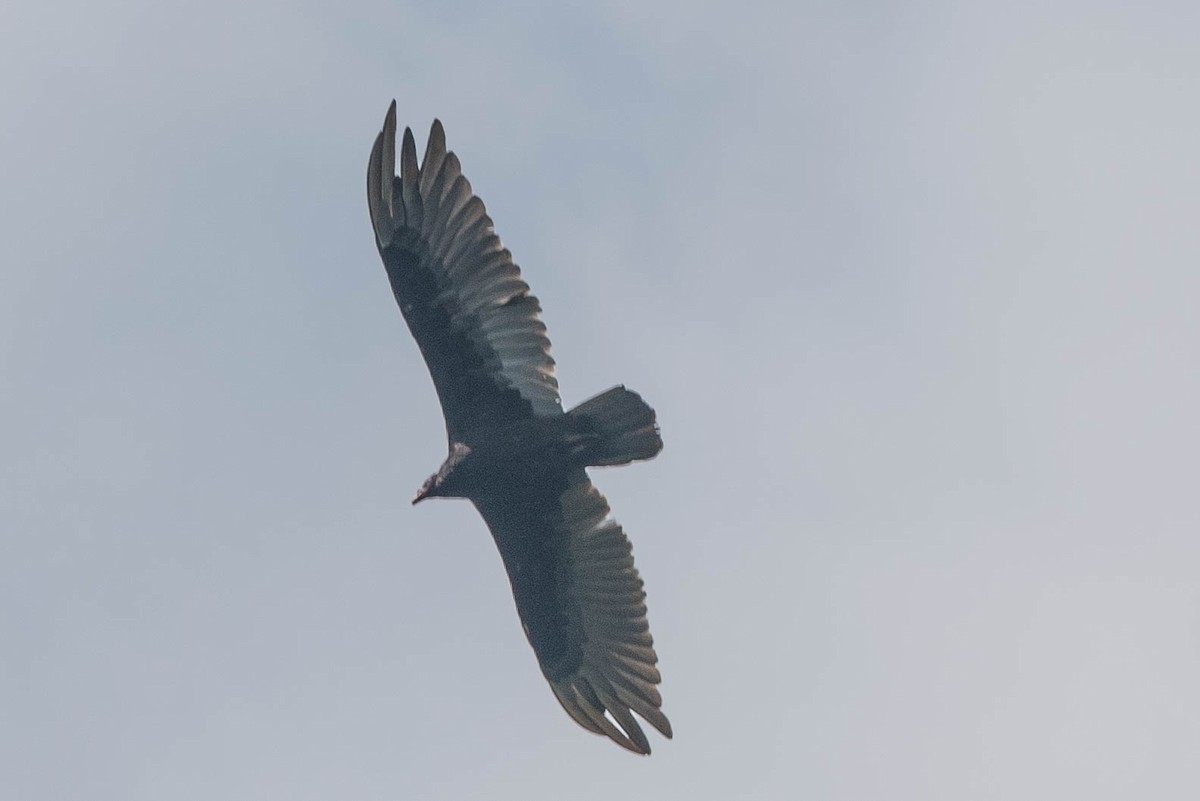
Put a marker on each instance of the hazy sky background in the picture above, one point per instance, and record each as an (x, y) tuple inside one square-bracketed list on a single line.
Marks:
[(912, 288)]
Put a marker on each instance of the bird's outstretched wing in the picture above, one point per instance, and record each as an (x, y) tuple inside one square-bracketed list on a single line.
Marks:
[(463, 298), (581, 603)]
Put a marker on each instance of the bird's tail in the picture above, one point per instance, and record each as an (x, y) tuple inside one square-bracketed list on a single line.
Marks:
[(616, 427)]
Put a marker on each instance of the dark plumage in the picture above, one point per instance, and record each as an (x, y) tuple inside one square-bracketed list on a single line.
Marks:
[(514, 452)]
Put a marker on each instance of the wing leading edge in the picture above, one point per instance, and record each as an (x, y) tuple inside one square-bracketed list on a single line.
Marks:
[(474, 319)]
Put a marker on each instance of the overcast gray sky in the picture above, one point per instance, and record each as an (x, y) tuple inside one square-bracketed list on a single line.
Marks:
[(913, 290)]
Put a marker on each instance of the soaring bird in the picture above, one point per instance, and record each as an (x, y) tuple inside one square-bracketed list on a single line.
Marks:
[(513, 451)]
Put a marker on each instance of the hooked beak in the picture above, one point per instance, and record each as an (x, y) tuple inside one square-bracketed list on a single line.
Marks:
[(423, 492)]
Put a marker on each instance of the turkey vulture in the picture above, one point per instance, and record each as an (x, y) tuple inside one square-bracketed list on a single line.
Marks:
[(514, 452)]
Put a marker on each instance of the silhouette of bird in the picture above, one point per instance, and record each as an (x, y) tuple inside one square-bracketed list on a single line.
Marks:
[(513, 451)]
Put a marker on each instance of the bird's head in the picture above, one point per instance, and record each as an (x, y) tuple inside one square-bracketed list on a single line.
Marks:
[(428, 490), (441, 483)]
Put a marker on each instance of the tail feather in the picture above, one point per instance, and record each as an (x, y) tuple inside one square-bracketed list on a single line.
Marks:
[(616, 427)]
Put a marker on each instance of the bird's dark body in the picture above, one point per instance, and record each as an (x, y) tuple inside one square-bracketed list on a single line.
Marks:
[(514, 452)]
